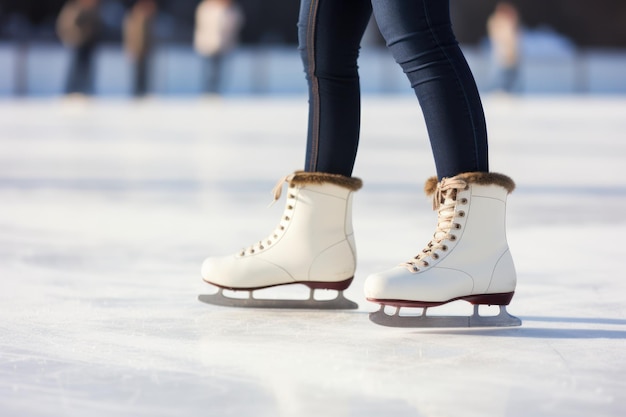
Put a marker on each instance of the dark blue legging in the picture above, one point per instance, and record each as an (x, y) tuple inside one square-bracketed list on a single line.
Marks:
[(420, 37)]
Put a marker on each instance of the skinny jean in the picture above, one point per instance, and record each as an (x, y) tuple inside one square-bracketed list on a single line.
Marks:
[(420, 38), (80, 76)]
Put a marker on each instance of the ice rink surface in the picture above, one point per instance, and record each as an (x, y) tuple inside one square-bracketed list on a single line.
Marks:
[(108, 208)]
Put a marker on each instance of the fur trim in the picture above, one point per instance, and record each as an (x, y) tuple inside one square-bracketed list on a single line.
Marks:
[(431, 186), (480, 178), (303, 178)]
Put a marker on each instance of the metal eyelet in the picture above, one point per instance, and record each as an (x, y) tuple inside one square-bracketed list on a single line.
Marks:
[(435, 256), (452, 238), (463, 201), (415, 269), (457, 226), (426, 263), (287, 218), (261, 247), (444, 248), (290, 207), (460, 213), (251, 251), (292, 195), (282, 227)]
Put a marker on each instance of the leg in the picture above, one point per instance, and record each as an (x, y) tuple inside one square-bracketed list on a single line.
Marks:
[(420, 37), (141, 80), (77, 74), (468, 257), (87, 65), (313, 244), (330, 33), (215, 73), (509, 77)]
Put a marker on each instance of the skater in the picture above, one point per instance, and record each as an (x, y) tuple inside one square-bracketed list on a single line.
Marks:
[(467, 257), (138, 42), (504, 35), (218, 23), (78, 27)]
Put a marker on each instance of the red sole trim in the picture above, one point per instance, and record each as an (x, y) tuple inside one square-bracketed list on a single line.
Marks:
[(315, 285), (499, 299)]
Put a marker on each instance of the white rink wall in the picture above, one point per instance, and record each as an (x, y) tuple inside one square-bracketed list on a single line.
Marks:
[(177, 70)]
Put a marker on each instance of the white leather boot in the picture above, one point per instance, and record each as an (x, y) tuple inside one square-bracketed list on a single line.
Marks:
[(312, 245), (468, 257)]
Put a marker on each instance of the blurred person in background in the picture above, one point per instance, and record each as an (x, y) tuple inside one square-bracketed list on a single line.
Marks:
[(78, 27), (503, 29), (218, 23), (138, 42)]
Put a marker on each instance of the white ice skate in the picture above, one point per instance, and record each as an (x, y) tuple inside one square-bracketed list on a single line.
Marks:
[(467, 259), (313, 245)]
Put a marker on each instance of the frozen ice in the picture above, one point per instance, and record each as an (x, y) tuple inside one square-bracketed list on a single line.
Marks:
[(108, 207)]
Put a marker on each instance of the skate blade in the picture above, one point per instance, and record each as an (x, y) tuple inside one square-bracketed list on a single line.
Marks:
[(503, 319), (338, 303)]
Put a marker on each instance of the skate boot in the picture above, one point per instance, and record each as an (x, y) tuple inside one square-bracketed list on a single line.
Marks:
[(467, 259), (312, 245)]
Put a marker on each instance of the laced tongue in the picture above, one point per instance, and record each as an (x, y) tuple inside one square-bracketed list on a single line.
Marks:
[(276, 193), (278, 188), (444, 200)]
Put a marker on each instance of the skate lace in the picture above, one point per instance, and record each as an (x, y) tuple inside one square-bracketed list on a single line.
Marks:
[(445, 201), (271, 238)]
